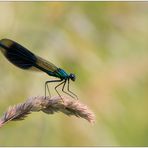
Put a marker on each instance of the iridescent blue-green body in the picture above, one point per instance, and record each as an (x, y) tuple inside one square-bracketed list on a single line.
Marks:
[(24, 59)]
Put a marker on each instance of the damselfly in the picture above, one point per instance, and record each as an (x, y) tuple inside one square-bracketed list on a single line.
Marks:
[(23, 58)]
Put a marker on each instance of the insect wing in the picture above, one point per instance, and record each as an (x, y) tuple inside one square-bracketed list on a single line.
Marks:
[(17, 54), (46, 64), (23, 58)]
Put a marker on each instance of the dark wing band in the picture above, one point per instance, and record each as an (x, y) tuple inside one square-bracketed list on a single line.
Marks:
[(23, 58), (17, 54)]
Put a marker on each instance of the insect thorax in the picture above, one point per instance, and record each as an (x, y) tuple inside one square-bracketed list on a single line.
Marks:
[(60, 73)]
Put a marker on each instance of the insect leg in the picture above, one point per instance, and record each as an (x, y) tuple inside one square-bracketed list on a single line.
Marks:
[(71, 91), (46, 86), (48, 89), (57, 90), (64, 90)]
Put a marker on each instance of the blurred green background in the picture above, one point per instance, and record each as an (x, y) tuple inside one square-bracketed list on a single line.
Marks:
[(106, 45)]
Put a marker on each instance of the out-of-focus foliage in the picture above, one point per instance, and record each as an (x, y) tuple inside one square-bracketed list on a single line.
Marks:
[(106, 45)]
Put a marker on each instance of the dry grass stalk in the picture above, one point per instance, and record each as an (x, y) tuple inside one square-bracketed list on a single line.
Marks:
[(49, 106)]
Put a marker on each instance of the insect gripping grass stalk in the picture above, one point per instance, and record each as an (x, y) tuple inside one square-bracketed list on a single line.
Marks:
[(24, 59)]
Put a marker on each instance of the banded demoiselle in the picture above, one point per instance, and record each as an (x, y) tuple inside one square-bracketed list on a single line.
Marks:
[(24, 59)]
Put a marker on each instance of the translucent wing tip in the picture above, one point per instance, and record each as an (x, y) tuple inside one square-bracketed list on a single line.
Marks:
[(6, 42)]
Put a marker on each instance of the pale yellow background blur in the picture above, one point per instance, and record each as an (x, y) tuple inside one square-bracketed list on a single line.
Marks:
[(106, 45)]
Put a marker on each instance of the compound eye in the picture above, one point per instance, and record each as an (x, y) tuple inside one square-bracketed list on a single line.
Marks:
[(72, 77)]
